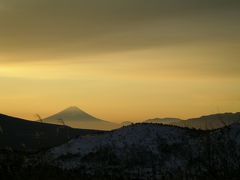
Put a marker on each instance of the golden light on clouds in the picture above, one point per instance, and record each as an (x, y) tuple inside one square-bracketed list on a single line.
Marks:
[(120, 60)]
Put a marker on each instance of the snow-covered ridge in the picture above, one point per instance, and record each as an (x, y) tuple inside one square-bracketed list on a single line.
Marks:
[(168, 148), (146, 136)]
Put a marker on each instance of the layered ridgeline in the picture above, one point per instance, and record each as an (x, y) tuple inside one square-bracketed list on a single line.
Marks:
[(151, 151), (19, 134), (213, 121), (164, 120), (75, 117)]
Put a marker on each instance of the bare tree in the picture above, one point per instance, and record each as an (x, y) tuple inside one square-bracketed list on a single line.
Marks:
[(39, 118), (62, 121)]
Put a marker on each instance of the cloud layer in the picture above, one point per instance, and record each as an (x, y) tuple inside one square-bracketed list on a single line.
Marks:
[(146, 58), (79, 27)]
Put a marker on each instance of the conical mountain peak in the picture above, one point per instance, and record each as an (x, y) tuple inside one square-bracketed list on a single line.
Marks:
[(73, 109), (73, 113), (75, 117)]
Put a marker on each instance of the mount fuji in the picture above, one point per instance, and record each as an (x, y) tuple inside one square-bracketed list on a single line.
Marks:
[(76, 118)]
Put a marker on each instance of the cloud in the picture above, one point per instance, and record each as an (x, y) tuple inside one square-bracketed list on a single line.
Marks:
[(33, 30)]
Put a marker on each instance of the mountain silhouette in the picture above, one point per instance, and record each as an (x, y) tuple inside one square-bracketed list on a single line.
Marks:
[(213, 121), (127, 123), (21, 134), (77, 118), (72, 113), (163, 120)]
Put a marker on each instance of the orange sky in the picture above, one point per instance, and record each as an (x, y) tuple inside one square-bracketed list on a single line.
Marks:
[(120, 60)]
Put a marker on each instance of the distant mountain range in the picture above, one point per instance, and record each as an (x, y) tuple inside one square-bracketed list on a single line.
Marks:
[(20, 134), (126, 123), (163, 120), (75, 117), (213, 121), (205, 122)]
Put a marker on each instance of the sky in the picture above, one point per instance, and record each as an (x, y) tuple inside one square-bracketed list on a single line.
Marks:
[(120, 60)]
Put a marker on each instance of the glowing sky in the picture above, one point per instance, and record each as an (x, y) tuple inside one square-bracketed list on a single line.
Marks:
[(120, 59)]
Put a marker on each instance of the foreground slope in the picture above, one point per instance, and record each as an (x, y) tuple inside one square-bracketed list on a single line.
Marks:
[(76, 118), (141, 151), (152, 150), (20, 134), (135, 142)]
